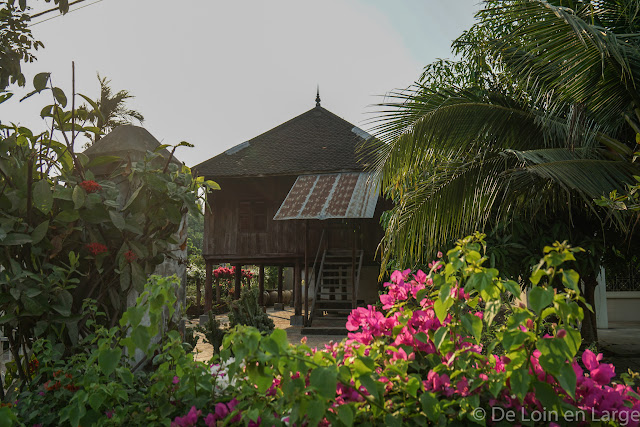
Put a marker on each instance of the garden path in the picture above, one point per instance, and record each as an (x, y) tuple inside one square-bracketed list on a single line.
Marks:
[(620, 345)]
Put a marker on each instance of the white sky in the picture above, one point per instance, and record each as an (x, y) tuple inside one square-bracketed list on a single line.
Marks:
[(217, 73)]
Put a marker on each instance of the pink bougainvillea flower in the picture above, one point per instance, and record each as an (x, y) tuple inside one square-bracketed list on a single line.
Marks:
[(221, 410), (90, 186), (189, 420), (176, 379), (590, 360), (210, 420), (96, 248)]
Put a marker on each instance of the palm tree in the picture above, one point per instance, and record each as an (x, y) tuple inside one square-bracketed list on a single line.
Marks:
[(539, 118), (112, 108)]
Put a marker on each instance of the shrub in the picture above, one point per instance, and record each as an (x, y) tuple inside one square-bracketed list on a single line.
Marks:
[(213, 332), (419, 360), (68, 235)]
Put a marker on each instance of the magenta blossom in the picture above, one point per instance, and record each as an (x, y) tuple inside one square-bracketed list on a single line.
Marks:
[(189, 420)]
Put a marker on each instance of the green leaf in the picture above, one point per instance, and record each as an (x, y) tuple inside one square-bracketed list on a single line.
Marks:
[(473, 325), (39, 232), (42, 196), (40, 81), (102, 160), (570, 279), (440, 336), (441, 308), (5, 96), (117, 219), (78, 197), (491, 309), (540, 297), (430, 405), (63, 303), (324, 379), (60, 96), (125, 278), (390, 420), (479, 281), (371, 385), (567, 379), (547, 396), (512, 287), (132, 198), (345, 414), (212, 185), (15, 239), (108, 359), (138, 277), (537, 275), (520, 381), (7, 417), (315, 412), (140, 337), (68, 216)]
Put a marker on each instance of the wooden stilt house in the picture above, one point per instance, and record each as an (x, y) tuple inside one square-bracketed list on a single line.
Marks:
[(297, 196)]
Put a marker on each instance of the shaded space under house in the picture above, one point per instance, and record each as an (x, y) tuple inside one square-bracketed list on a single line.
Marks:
[(297, 196)]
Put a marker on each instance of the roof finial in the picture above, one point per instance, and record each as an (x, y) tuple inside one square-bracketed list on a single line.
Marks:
[(318, 97)]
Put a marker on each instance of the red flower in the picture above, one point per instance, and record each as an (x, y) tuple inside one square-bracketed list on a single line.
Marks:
[(130, 256), (96, 248), (90, 186)]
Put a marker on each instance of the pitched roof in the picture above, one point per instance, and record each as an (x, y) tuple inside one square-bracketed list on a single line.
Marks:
[(127, 141), (315, 141)]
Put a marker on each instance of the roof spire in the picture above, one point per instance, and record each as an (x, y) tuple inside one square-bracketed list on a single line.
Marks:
[(318, 97)]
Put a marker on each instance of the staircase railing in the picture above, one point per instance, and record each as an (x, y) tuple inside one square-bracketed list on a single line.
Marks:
[(317, 279)]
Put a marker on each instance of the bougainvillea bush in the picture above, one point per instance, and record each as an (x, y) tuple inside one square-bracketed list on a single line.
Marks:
[(417, 361)]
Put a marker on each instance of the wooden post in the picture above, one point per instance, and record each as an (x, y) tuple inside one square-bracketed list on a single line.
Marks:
[(261, 286), (198, 294), (218, 290), (297, 283), (238, 283), (353, 271), (306, 272), (208, 291), (280, 268)]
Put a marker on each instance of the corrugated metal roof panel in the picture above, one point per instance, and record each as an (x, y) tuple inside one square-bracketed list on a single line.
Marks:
[(335, 195)]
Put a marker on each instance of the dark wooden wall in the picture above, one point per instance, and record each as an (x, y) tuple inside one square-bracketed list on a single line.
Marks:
[(281, 241)]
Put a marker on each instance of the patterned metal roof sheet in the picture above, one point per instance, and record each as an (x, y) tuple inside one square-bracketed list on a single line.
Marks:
[(334, 195)]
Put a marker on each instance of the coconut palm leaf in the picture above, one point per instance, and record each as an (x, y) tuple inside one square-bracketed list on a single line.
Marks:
[(544, 133)]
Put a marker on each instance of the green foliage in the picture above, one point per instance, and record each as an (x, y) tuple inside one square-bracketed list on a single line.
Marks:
[(68, 235), (105, 384), (525, 125), (386, 374), (246, 311)]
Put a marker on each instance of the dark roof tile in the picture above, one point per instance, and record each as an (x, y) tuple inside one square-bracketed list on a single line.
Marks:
[(315, 141)]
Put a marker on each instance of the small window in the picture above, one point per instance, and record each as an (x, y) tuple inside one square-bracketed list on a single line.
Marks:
[(252, 216)]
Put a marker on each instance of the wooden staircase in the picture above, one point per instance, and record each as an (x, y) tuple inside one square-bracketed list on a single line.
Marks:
[(335, 291)]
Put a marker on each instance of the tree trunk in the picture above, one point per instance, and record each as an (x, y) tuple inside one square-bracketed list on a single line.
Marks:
[(589, 325)]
